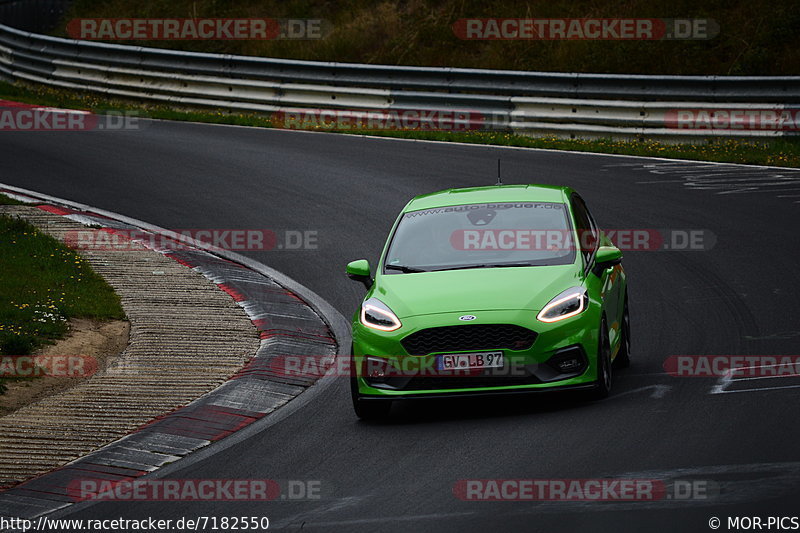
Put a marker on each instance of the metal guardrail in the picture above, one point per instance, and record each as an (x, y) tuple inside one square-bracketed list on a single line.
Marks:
[(560, 104)]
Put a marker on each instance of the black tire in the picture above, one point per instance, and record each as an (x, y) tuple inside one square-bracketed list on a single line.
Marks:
[(602, 387), (368, 409), (623, 359)]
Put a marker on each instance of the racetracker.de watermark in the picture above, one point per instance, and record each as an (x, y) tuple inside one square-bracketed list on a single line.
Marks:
[(553, 240), (584, 490), (17, 116), (704, 366), (389, 120), (585, 29), (60, 366), (400, 366), (193, 29), (164, 490), (120, 240), (734, 119)]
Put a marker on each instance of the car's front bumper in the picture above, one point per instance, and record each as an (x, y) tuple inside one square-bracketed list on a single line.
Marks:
[(525, 370), (474, 393)]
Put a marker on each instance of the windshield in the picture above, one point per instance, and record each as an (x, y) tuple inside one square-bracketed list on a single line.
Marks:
[(481, 236)]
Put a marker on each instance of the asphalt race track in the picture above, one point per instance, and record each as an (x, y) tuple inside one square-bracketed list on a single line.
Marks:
[(738, 298)]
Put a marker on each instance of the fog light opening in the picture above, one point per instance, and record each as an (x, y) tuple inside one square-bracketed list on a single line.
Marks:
[(375, 369), (571, 360), (569, 365)]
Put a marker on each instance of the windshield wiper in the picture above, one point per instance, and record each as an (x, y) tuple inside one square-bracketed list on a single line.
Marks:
[(405, 269), (488, 265)]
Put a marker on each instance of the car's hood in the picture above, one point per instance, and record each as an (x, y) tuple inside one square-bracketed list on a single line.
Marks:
[(482, 289)]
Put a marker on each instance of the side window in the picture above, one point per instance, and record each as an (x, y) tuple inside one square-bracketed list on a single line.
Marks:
[(587, 230)]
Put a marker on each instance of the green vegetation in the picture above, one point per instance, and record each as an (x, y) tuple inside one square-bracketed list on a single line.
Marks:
[(754, 38), (5, 200), (781, 152), (44, 283)]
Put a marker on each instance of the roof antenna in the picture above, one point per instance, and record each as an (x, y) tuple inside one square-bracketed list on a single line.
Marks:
[(499, 179)]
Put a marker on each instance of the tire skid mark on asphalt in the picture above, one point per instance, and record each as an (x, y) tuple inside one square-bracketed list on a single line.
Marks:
[(390, 519), (729, 379), (737, 484), (721, 179), (658, 392), (301, 519)]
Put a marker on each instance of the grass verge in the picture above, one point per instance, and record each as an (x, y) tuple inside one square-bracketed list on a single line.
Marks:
[(5, 200), (783, 152), (44, 284)]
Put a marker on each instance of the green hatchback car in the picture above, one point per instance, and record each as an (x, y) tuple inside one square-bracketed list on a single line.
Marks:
[(489, 290)]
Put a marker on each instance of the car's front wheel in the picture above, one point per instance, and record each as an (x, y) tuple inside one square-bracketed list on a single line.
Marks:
[(602, 387), (368, 409)]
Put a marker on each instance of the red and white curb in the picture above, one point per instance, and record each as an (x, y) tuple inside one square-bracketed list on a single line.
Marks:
[(289, 324)]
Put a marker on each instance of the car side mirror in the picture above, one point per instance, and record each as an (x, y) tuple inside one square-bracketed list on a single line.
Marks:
[(359, 271), (606, 257)]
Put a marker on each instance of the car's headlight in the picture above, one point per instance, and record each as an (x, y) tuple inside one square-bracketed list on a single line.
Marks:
[(569, 303), (376, 315)]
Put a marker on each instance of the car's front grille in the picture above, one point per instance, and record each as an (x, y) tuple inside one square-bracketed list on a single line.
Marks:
[(469, 338)]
